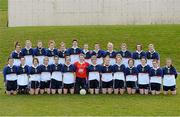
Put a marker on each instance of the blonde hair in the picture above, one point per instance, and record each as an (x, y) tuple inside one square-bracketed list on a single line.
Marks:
[(110, 44)]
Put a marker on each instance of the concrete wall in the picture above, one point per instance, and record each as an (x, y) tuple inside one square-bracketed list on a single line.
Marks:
[(92, 12)]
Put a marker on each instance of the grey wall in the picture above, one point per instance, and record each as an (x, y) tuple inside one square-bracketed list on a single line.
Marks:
[(92, 12)]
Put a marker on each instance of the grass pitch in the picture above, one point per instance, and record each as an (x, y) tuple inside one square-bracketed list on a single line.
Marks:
[(165, 37)]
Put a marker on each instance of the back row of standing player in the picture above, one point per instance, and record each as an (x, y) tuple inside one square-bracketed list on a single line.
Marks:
[(40, 52), (114, 76)]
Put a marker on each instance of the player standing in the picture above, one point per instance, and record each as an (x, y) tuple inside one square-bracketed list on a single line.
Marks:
[(40, 52), (28, 53)]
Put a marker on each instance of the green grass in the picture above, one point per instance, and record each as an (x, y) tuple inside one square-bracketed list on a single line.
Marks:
[(165, 37), (89, 105)]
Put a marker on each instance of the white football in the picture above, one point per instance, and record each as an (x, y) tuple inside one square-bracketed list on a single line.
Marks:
[(82, 92)]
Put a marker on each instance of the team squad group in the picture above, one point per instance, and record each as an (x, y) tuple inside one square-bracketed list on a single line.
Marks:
[(61, 71)]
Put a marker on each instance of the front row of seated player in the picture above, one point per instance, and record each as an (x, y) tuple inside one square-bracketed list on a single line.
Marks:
[(106, 78)]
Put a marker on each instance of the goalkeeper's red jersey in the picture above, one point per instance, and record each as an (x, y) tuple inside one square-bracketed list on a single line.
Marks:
[(81, 69)]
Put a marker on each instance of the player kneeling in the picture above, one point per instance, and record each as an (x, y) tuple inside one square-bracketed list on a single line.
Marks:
[(56, 78), (94, 76), (45, 77), (169, 77), (10, 77), (34, 72), (107, 76), (143, 76), (155, 78), (131, 77), (119, 77), (68, 70), (22, 81)]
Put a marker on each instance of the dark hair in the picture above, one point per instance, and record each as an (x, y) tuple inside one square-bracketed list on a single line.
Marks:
[(155, 60), (144, 58), (139, 45), (74, 40), (9, 58), (17, 44), (35, 59), (131, 60), (56, 56)]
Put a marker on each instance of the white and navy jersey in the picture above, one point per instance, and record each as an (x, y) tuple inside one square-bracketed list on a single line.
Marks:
[(74, 54), (40, 53), (56, 72), (35, 73), (107, 73), (156, 75), (169, 76), (50, 54), (151, 56), (112, 56), (143, 74), (94, 72), (88, 55), (10, 73), (99, 54), (45, 72), (28, 55), (137, 57), (68, 73), (119, 70), (61, 55), (125, 57), (131, 74), (16, 56), (22, 75)]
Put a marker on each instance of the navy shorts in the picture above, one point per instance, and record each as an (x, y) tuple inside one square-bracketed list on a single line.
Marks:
[(45, 84), (22, 87), (11, 85), (155, 86), (171, 88), (56, 84), (131, 84), (143, 86), (118, 84), (107, 84), (69, 86), (35, 84), (93, 84)]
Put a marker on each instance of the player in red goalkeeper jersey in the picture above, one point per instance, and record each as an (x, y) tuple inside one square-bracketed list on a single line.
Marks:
[(81, 73)]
